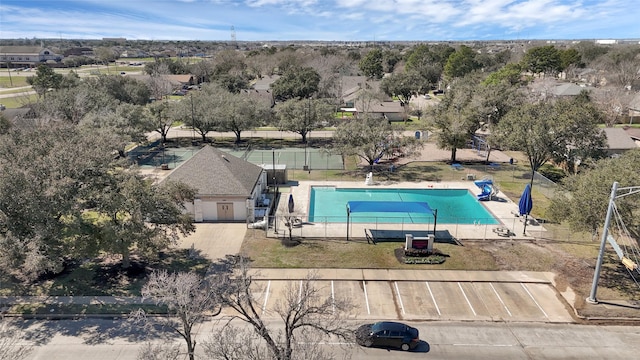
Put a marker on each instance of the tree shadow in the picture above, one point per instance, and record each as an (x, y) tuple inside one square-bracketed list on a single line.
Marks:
[(92, 331)]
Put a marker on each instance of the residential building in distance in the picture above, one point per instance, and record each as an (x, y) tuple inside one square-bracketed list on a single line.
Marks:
[(22, 56)]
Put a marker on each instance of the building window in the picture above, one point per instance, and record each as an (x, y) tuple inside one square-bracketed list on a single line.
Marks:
[(19, 59)]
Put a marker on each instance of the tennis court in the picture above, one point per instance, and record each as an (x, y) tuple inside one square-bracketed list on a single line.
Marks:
[(154, 155), (293, 158)]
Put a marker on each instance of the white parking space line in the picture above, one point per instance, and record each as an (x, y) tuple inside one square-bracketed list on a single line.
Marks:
[(366, 298), (500, 299), (534, 300), (333, 298), (399, 297), (468, 302), (266, 296), (433, 298)]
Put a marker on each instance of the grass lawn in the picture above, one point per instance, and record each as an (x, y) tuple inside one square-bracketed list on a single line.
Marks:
[(18, 101), (13, 81), (270, 253)]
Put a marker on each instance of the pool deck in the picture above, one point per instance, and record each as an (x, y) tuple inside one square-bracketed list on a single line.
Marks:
[(502, 208)]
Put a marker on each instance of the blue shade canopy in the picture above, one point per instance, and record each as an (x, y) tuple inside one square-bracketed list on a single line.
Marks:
[(389, 206), (526, 203)]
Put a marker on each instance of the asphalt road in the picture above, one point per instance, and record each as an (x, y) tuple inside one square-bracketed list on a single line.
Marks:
[(118, 340)]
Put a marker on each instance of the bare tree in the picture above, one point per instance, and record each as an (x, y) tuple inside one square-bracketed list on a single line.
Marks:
[(189, 300), (9, 343), (307, 316), (159, 85), (159, 351), (613, 101)]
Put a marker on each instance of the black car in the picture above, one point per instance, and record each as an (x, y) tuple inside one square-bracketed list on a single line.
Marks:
[(388, 334)]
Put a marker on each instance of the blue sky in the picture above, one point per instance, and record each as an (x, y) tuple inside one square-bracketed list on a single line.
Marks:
[(332, 20)]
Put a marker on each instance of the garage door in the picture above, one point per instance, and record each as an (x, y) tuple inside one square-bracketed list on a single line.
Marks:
[(209, 210)]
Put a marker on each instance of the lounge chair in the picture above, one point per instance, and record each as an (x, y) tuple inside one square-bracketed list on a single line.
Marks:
[(457, 166)]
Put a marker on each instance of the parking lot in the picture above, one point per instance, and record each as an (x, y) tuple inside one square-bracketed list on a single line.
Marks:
[(430, 300)]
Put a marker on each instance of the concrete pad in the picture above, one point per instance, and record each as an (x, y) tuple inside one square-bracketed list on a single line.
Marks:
[(417, 300), (492, 300), (276, 296), (215, 241), (383, 302), (521, 305), (475, 300), (547, 298), (451, 301), (353, 290)]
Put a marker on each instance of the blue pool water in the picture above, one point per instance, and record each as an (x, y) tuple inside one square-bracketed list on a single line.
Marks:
[(455, 206)]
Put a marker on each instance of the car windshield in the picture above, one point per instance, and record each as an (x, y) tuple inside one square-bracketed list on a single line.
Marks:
[(385, 326)]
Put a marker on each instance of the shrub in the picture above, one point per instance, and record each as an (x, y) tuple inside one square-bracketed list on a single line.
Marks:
[(422, 252), (433, 259)]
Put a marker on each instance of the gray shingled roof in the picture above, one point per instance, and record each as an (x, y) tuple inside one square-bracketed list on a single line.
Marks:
[(569, 89), (213, 172), (618, 139)]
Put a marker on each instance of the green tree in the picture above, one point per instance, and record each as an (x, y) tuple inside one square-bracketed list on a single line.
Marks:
[(570, 57), (45, 173), (124, 120), (454, 119), (299, 82), (583, 198), (159, 118), (546, 131), (371, 64), (461, 62), (402, 86), (241, 112), (45, 79), (543, 60), (5, 124), (233, 83), (203, 109), (489, 104), (510, 73), (370, 139), (133, 213), (303, 116)]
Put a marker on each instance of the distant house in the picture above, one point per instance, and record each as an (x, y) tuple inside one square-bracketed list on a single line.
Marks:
[(634, 133), (634, 107), (265, 96), (227, 188), (618, 141), (32, 56), (18, 116), (78, 51), (388, 110), (353, 86), (264, 83), (568, 89)]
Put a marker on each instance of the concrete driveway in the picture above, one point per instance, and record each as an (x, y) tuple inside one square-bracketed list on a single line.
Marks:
[(215, 240)]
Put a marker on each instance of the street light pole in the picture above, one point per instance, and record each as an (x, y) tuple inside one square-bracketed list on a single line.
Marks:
[(605, 233)]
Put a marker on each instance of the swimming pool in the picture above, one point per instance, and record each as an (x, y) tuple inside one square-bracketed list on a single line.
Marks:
[(455, 206)]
